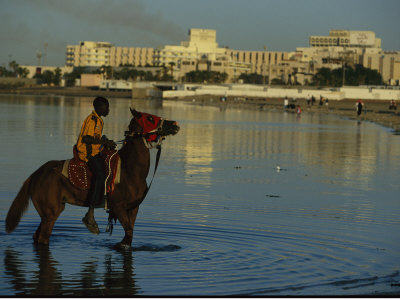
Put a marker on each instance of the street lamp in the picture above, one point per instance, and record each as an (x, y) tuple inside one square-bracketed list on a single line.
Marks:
[(343, 65), (264, 65), (381, 67)]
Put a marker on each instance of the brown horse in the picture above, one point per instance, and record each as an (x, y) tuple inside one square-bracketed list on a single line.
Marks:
[(50, 190)]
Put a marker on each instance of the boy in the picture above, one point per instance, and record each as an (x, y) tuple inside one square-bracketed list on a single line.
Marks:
[(89, 145)]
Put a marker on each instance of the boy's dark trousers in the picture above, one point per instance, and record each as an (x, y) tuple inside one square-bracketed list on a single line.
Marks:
[(96, 165)]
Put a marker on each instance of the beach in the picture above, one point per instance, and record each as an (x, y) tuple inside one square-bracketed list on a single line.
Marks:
[(376, 111)]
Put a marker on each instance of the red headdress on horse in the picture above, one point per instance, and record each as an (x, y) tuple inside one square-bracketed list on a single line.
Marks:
[(145, 125)]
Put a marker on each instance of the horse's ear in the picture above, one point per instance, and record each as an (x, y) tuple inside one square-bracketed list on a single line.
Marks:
[(135, 113)]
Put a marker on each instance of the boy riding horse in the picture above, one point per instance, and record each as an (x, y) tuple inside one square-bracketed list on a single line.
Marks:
[(89, 145)]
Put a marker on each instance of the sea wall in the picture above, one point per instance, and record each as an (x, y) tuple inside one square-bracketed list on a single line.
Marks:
[(254, 91)]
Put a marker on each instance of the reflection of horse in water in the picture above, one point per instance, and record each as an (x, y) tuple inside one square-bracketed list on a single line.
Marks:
[(115, 280), (50, 190)]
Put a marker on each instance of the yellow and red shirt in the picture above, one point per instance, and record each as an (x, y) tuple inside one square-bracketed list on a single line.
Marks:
[(92, 126)]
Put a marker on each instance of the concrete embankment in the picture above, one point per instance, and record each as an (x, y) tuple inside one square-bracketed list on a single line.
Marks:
[(252, 91)]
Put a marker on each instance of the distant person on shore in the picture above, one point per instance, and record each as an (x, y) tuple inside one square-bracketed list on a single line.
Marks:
[(393, 105), (308, 101), (286, 103), (326, 102), (312, 100), (321, 100), (359, 107), (298, 110)]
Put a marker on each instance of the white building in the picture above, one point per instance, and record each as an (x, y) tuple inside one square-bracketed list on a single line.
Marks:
[(351, 47), (97, 54)]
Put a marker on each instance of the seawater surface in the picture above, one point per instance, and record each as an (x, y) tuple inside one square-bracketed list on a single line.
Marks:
[(220, 219)]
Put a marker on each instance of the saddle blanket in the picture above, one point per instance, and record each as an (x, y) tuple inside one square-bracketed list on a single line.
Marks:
[(80, 175)]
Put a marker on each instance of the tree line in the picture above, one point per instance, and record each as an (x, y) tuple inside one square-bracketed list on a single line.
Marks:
[(358, 75), (16, 71), (125, 73), (354, 76)]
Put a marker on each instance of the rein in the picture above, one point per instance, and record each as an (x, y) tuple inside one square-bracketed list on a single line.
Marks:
[(160, 139)]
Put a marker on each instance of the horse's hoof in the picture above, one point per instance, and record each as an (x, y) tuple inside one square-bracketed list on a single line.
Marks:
[(123, 247), (91, 225)]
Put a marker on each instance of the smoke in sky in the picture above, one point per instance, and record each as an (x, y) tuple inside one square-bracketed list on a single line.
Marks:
[(126, 15), (59, 23)]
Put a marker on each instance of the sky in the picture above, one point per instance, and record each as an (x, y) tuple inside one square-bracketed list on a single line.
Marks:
[(28, 27)]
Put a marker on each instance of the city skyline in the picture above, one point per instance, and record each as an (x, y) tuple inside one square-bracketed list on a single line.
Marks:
[(29, 27)]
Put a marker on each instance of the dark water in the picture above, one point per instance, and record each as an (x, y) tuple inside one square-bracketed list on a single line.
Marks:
[(219, 218)]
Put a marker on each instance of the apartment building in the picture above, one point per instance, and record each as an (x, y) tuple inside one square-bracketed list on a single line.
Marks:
[(97, 54), (352, 47), (201, 52), (346, 38)]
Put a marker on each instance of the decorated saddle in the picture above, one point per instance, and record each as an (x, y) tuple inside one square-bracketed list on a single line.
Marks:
[(80, 176)]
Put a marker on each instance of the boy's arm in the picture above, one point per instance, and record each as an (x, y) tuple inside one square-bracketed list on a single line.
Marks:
[(87, 139)]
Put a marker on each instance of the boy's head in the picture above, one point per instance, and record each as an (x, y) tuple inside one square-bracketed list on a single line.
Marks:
[(101, 106)]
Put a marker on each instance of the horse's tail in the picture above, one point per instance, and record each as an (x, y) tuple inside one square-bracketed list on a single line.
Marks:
[(18, 207)]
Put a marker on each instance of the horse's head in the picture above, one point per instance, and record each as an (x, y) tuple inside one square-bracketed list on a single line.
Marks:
[(151, 127)]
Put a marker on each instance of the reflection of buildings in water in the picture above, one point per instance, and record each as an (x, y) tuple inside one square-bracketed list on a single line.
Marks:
[(345, 152), (341, 149), (209, 133), (198, 139)]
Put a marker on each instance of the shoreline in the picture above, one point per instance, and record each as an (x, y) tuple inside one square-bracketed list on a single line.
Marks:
[(377, 111)]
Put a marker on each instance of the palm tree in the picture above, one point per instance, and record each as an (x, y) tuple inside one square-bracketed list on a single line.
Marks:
[(14, 66), (171, 67), (22, 72)]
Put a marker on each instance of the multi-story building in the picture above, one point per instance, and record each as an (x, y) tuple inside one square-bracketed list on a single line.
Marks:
[(351, 47), (346, 38), (201, 52), (97, 54)]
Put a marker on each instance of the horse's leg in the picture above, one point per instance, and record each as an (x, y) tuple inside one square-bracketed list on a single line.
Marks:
[(49, 207), (46, 227), (127, 220), (37, 232), (132, 216), (42, 234)]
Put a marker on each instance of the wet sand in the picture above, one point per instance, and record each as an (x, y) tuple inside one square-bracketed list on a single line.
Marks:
[(376, 111)]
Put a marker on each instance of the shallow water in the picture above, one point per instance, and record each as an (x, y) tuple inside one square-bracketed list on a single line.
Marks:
[(220, 219)]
